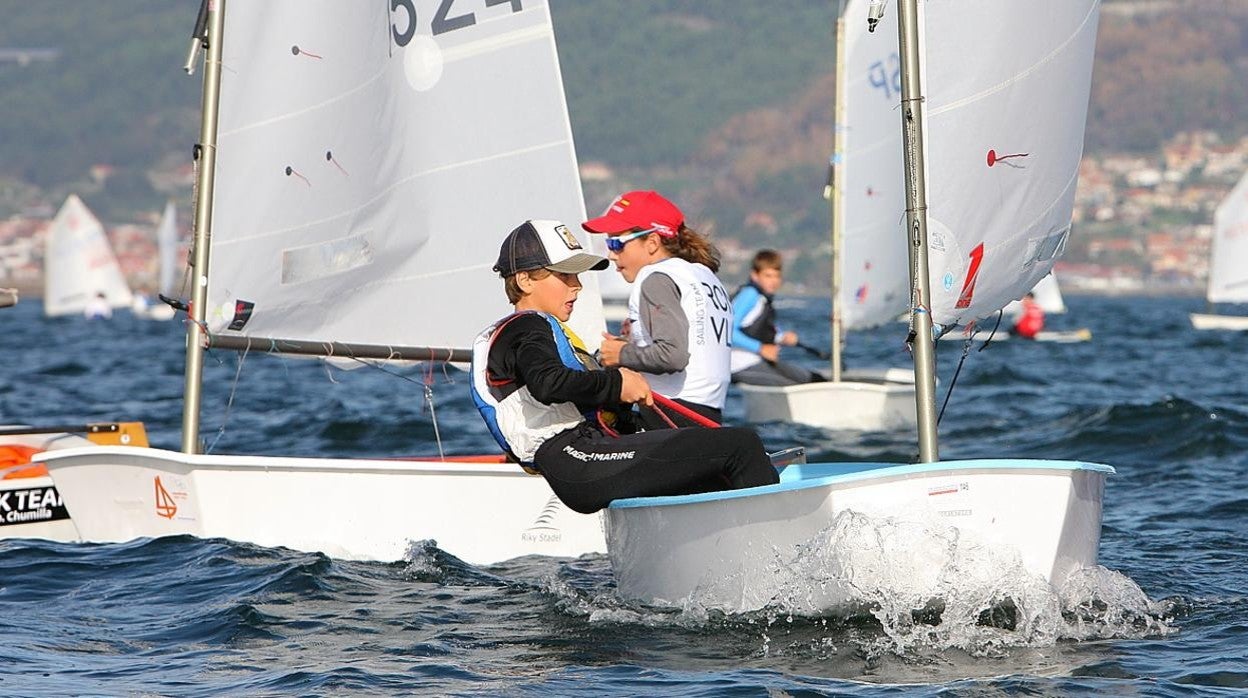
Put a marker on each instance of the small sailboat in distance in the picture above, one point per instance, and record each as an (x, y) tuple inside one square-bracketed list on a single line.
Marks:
[(80, 270), (867, 207), (166, 269), (1047, 293), (1228, 262)]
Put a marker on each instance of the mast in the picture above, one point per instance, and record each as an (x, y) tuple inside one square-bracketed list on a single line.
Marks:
[(916, 225), (834, 193), (206, 153)]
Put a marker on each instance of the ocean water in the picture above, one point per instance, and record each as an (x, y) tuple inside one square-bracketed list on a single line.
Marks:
[(1165, 614)]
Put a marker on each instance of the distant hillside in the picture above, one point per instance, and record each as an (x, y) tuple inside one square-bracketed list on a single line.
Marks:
[(114, 94), (725, 104)]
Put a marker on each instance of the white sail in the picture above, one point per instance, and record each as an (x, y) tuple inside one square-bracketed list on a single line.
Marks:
[(1228, 261), (167, 249), (1003, 139), (372, 157), (79, 263), (1048, 295), (874, 285)]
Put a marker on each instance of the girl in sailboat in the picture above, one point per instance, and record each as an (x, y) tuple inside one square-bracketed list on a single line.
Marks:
[(679, 315), (554, 409), (755, 338)]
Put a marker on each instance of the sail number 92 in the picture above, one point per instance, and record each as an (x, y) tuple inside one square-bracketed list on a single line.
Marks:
[(403, 18)]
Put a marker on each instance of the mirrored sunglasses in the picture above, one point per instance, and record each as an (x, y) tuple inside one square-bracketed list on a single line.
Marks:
[(616, 244)]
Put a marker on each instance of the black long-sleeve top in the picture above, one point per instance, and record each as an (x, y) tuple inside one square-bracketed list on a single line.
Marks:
[(524, 354)]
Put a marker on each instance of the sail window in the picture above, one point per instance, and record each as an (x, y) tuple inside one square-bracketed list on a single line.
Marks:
[(311, 262)]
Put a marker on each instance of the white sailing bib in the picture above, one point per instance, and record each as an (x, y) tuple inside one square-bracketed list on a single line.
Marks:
[(708, 309)]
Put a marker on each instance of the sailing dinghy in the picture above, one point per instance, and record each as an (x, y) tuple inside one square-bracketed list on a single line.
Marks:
[(1228, 262), (869, 281), (79, 263), (998, 135), (30, 504), (367, 161)]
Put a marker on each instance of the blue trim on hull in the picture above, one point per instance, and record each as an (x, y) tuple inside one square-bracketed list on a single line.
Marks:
[(808, 475)]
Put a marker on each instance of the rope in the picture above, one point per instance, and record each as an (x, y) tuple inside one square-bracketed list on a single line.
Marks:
[(433, 416), (1000, 314), (228, 403), (659, 411), (682, 411), (966, 349)]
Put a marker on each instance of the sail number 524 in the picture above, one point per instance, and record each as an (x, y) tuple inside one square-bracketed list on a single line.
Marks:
[(447, 18)]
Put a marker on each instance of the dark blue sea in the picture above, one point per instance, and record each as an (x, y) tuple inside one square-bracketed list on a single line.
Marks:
[(1166, 615)]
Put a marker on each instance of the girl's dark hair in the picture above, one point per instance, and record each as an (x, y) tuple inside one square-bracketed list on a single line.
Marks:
[(692, 246)]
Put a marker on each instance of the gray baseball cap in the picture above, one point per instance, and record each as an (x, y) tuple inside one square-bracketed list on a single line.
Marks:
[(544, 244)]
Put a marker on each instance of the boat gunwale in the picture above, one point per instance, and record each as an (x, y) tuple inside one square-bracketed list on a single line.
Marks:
[(123, 455), (885, 387), (884, 472)]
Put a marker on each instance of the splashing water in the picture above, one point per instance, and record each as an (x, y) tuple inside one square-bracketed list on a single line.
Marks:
[(923, 588)]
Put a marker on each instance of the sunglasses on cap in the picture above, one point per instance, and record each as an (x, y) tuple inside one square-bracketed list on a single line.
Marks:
[(616, 244)]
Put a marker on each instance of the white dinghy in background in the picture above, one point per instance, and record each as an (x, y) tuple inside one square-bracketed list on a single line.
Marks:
[(1228, 262), (167, 268), (995, 128), (1047, 294), (31, 506), (869, 280), (349, 241), (79, 263)]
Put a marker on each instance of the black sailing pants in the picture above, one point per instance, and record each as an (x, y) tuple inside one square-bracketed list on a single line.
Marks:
[(587, 468)]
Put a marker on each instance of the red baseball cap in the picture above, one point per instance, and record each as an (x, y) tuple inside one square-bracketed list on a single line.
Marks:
[(638, 209)]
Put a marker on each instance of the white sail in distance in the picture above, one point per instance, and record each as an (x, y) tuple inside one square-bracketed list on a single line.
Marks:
[(1048, 295), (1006, 84), (371, 159), (167, 250), (875, 281), (1228, 261), (79, 263)]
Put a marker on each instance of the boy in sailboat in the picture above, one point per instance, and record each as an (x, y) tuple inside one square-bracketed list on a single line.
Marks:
[(755, 338), (97, 307), (679, 314), (553, 408)]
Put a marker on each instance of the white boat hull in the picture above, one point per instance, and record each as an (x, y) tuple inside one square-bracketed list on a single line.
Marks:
[(1082, 334), (159, 311), (854, 405), (734, 551), (1204, 321), (352, 509)]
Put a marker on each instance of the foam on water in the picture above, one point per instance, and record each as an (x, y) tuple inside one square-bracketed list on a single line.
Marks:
[(905, 588)]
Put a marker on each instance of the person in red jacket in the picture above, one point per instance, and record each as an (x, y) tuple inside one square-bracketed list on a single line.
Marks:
[(1031, 320)]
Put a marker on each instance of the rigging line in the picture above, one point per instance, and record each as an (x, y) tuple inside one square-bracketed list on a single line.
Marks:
[(966, 349), (991, 335), (433, 416), (229, 404), (427, 384), (383, 369)]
